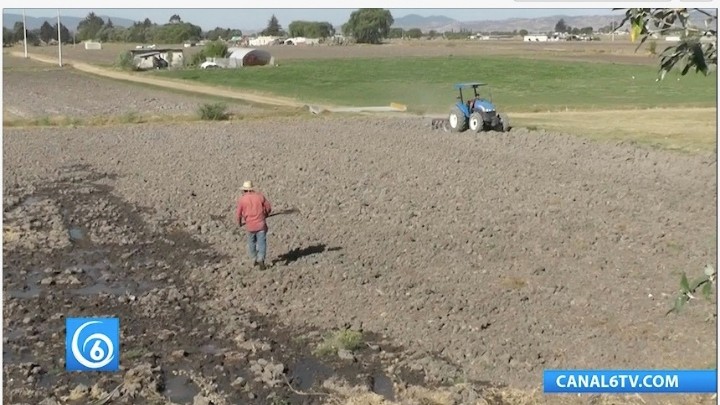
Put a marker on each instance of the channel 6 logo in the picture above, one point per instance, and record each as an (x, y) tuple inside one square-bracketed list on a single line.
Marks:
[(92, 344)]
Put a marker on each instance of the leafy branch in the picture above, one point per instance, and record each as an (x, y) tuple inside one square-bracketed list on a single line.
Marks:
[(691, 52), (688, 290)]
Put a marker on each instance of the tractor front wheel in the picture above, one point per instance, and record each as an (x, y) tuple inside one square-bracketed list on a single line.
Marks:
[(476, 122), (457, 120)]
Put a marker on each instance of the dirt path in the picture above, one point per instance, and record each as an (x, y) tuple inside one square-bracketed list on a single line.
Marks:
[(173, 84)]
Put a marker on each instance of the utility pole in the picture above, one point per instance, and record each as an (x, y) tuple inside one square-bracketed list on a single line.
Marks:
[(25, 34), (59, 40)]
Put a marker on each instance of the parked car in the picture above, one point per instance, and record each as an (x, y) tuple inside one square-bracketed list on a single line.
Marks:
[(209, 65)]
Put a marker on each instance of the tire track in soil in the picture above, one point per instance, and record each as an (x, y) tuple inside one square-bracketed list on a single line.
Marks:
[(111, 263)]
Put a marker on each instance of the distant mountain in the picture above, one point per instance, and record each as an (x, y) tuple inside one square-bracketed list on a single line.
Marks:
[(532, 25), (424, 23), (71, 23), (538, 24)]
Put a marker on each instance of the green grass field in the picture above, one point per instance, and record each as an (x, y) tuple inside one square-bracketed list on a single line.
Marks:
[(425, 84)]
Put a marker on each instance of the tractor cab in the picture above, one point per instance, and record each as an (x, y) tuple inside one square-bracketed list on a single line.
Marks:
[(475, 102)]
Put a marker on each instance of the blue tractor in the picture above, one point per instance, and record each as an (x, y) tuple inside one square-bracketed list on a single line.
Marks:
[(476, 113)]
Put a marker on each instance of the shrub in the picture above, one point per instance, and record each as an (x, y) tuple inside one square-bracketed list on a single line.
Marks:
[(213, 112), (197, 58), (216, 49), (652, 47), (125, 61), (688, 290), (342, 339)]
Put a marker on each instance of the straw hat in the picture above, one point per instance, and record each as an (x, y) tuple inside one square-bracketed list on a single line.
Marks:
[(247, 186)]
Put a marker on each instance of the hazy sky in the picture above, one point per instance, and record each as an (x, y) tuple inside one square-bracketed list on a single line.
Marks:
[(257, 18)]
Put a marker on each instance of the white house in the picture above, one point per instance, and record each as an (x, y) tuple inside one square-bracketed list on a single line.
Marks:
[(535, 38), (302, 41), (238, 40), (90, 45), (263, 41)]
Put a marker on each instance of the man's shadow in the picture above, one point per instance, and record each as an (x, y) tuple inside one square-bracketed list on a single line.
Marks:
[(298, 253)]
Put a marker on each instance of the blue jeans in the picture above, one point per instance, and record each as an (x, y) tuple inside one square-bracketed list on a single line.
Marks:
[(257, 245)]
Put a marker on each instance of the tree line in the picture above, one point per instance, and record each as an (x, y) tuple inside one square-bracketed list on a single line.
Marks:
[(369, 25), (95, 28), (364, 25)]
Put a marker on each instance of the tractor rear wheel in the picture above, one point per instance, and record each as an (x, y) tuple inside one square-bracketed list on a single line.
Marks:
[(476, 122), (457, 120), (505, 122)]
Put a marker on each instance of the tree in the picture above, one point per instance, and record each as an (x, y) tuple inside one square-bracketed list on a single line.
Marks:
[(89, 27), (47, 32), (175, 19), (396, 33), (561, 26), (18, 31), (523, 32), (273, 27), (369, 25), (214, 34), (692, 52), (8, 37), (311, 29), (432, 34), (65, 35), (216, 49), (18, 36), (224, 33), (175, 33), (109, 33), (298, 28), (141, 31), (414, 33), (325, 29)]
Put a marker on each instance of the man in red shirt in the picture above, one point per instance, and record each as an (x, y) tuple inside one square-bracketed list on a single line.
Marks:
[(252, 209)]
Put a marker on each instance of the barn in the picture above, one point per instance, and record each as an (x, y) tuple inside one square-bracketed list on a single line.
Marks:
[(264, 41), (157, 58), (241, 57), (535, 38), (250, 56)]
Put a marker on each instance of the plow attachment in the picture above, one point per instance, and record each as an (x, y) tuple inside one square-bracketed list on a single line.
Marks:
[(441, 123)]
